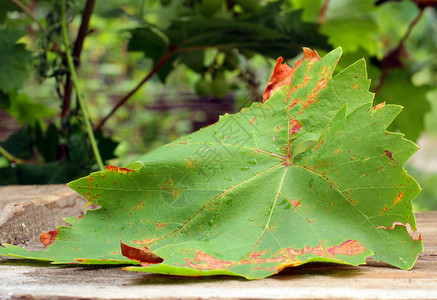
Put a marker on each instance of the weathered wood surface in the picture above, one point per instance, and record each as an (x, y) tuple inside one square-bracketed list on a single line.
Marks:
[(26, 211), (22, 279)]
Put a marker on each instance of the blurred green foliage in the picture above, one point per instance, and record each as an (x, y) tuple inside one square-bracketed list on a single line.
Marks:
[(210, 57)]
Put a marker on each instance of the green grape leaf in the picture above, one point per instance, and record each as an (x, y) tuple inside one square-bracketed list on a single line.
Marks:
[(338, 18), (265, 36), (271, 32), (253, 193), (398, 88), (6, 6), (16, 60), (153, 45)]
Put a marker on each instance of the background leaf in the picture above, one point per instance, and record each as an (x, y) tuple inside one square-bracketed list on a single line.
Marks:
[(398, 88), (16, 60)]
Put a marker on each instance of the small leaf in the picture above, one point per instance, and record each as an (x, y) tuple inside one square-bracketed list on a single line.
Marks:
[(304, 146)]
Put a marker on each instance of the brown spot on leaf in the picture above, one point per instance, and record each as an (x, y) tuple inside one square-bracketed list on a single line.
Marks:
[(252, 121), (143, 255), (337, 151), (390, 155), (48, 238)]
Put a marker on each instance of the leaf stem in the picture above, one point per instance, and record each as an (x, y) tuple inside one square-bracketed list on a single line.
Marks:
[(76, 86)]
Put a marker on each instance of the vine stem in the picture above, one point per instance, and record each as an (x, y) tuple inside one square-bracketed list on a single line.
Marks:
[(77, 50), (123, 100), (155, 69), (393, 58), (76, 86), (18, 161), (9, 156), (324, 8)]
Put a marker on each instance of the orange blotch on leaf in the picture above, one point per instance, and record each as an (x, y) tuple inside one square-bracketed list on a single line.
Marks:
[(283, 74), (379, 106), (90, 180), (295, 126), (398, 198), (119, 170), (144, 241), (296, 203), (293, 103), (190, 163), (139, 206), (349, 247), (204, 261), (176, 194), (48, 238)]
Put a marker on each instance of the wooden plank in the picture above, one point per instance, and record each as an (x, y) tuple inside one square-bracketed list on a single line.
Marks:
[(39, 280), (27, 211)]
